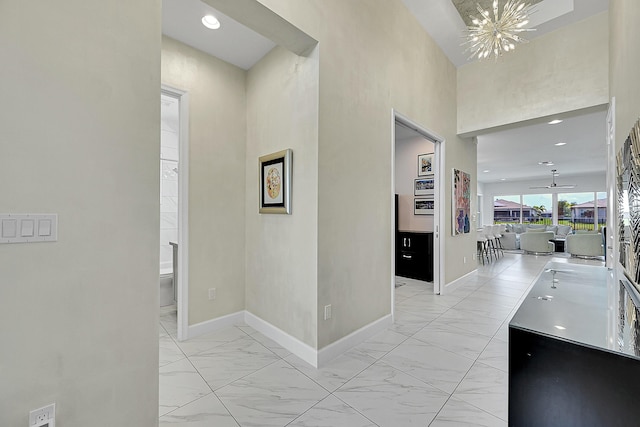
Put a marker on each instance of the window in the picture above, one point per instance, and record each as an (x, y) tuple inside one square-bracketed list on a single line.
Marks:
[(506, 209), (582, 211), (537, 209)]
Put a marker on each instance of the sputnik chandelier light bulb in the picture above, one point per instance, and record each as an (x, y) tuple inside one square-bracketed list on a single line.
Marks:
[(496, 36)]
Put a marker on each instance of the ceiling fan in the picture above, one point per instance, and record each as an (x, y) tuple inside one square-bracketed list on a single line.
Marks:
[(554, 173)]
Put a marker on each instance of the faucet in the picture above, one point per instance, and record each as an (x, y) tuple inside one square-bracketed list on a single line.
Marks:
[(553, 271)]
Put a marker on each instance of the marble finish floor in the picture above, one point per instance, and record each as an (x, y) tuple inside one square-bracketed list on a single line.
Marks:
[(442, 363)]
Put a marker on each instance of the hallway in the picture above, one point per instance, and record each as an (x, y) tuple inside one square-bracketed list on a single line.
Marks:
[(444, 362)]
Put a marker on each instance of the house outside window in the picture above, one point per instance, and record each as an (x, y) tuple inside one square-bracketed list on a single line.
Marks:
[(575, 209)]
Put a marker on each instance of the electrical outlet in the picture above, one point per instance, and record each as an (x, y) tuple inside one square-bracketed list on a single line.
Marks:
[(464, 259), (327, 312), (43, 417), (212, 293), (474, 256)]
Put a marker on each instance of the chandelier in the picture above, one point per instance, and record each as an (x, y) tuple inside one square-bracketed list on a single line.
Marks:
[(498, 35)]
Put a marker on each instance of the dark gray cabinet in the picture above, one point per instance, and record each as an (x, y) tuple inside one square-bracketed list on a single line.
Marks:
[(574, 353), (414, 255)]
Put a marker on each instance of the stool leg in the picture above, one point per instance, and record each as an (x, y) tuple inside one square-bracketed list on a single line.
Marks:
[(487, 250)]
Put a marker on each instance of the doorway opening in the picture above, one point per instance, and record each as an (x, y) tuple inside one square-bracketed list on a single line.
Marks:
[(417, 203), (174, 191)]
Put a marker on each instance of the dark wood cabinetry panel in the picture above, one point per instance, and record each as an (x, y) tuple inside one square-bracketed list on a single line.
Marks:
[(414, 255)]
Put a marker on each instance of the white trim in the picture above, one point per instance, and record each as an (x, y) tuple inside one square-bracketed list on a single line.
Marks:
[(438, 218), (455, 284), (611, 246), (182, 303), (294, 345), (393, 215), (215, 324), (317, 358), (438, 239), (346, 343)]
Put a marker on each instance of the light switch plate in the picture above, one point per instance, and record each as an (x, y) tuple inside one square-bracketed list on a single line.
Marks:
[(9, 228), (28, 228)]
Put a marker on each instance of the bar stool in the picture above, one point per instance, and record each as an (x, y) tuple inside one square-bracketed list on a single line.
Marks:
[(491, 241), (482, 247), (497, 231)]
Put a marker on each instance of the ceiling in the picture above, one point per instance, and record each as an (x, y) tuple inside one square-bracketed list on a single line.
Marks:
[(514, 154), (511, 154), (232, 42), (443, 22), (468, 8)]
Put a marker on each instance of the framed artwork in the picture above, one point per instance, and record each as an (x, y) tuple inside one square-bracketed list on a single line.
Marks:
[(274, 171), (424, 206), (425, 164), (628, 193), (461, 202), (424, 186)]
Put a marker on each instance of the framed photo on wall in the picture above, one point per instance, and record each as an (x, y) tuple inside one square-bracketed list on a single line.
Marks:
[(274, 172), (425, 164), (424, 186), (424, 206)]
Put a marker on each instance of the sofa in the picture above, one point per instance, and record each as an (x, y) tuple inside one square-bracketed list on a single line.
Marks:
[(585, 245), (511, 237), (537, 242)]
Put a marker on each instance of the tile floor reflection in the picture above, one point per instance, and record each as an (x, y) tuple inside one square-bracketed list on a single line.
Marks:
[(443, 363)]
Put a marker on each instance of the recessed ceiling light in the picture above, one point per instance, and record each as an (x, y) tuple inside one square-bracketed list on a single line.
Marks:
[(211, 22), (486, 170), (555, 122), (560, 144), (562, 328), (503, 179), (546, 163)]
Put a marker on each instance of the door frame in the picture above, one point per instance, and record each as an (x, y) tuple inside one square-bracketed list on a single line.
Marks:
[(182, 303), (439, 214), (612, 189)]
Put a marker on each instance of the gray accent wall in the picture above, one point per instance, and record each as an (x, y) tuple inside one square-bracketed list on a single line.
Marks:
[(282, 250), (80, 137), (561, 71), (367, 68), (217, 135), (624, 60)]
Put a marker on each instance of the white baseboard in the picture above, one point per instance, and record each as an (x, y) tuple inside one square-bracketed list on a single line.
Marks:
[(346, 343), (294, 345), (452, 286), (304, 351), (307, 353), (215, 324)]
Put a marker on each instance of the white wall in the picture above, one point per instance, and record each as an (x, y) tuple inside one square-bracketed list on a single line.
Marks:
[(169, 156), (217, 135), (81, 138), (406, 168), (561, 71), (281, 250)]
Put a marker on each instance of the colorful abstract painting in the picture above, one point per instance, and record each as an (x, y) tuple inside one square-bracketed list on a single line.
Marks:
[(461, 202)]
